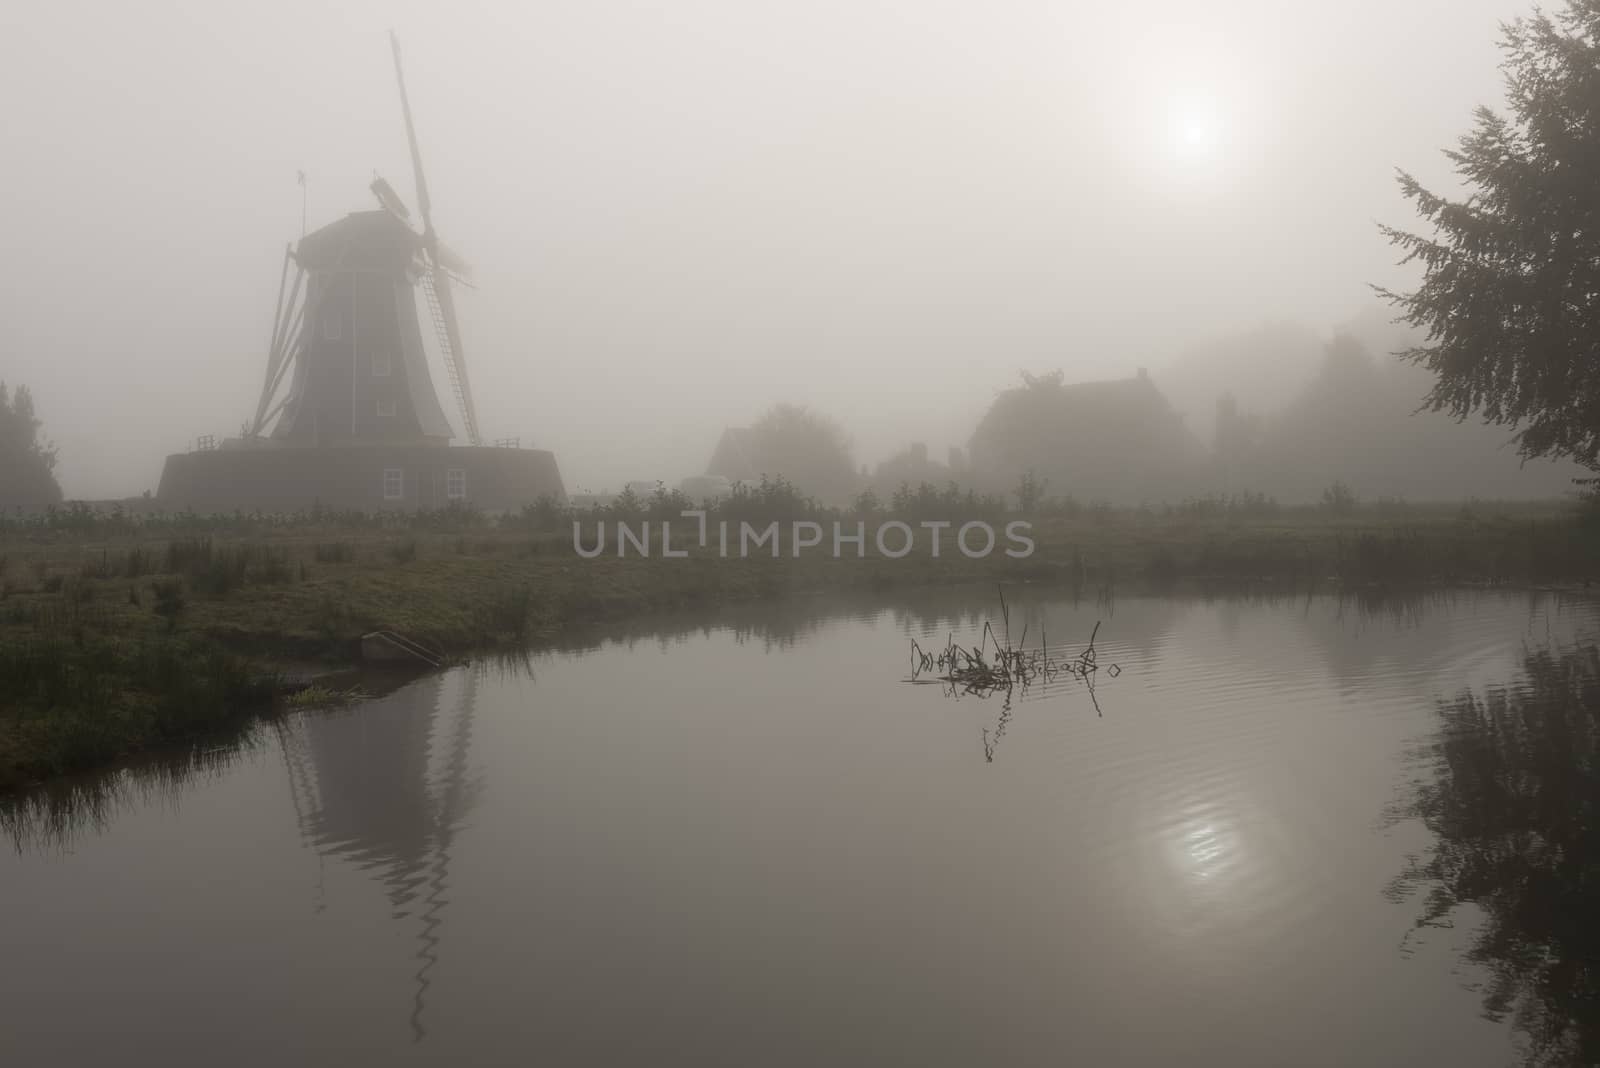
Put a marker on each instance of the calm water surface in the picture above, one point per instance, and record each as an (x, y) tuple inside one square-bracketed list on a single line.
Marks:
[(1299, 832)]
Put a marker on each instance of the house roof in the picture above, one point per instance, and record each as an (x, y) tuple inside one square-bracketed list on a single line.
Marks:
[(1100, 413), (732, 458)]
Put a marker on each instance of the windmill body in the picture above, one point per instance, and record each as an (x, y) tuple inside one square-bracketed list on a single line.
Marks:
[(348, 415), (361, 376)]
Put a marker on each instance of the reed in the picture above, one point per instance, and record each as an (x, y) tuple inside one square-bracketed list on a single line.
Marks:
[(996, 664), (334, 552), (100, 568), (137, 561)]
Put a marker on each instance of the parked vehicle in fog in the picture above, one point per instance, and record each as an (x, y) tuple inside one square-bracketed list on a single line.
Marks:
[(705, 487)]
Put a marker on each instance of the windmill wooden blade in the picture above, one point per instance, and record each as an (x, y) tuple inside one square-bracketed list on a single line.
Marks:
[(423, 204), (454, 263), (442, 306), (442, 263)]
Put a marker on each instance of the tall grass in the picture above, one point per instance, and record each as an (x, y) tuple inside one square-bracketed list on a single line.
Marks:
[(334, 552), (73, 702), (507, 613), (81, 520), (216, 570)]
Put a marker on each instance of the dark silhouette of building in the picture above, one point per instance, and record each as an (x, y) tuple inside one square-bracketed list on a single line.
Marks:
[(1117, 440), (358, 423)]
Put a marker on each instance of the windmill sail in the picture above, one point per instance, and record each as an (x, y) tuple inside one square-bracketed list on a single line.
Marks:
[(441, 302), (447, 344)]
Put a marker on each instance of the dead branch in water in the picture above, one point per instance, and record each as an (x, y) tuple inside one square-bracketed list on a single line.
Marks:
[(994, 666)]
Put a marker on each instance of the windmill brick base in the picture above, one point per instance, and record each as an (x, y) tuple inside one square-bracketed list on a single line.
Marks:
[(365, 477)]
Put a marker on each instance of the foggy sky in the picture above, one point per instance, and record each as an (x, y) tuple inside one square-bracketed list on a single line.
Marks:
[(682, 213)]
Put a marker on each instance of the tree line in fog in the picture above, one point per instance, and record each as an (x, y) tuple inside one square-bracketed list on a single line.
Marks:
[(1353, 431)]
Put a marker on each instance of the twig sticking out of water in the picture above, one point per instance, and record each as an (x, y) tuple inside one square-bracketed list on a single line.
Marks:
[(993, 666)]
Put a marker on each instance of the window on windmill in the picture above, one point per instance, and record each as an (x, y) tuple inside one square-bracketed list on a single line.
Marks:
[(332, 327), (382, 363), (386, 406), (455, 484), (394, 483)]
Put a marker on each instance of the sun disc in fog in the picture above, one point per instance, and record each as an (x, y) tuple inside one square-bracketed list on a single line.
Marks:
[(1195, 123)]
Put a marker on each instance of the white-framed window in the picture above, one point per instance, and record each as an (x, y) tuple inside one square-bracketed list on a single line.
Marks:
[(394, 484), (455, 484), (386, 406), (382, 363), (332, 327)]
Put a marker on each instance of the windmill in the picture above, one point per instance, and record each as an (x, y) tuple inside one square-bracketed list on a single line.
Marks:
[(351, 303), (348, 416)]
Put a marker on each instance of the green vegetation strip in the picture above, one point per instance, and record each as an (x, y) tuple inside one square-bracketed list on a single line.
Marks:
[(118, 635)]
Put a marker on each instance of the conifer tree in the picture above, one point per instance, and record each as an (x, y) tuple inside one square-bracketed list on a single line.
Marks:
[(27, 461), (1510, 295)]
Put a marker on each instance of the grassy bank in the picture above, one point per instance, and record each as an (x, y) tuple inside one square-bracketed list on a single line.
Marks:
[(118, 634)]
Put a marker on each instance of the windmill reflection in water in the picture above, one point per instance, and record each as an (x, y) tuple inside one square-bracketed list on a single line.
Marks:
[(386, 787)]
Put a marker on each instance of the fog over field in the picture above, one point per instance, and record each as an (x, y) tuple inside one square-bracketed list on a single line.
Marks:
[(682, 214)]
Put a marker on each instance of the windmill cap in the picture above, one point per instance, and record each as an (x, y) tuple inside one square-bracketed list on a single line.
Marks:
[(362, 239)]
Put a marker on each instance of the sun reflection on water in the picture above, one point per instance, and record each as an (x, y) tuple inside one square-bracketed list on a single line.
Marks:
[(1206, 849)]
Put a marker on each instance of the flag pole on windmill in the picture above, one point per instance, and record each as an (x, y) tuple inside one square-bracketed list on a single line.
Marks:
[(301, 178)]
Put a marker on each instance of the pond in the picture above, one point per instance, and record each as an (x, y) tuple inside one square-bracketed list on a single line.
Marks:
[(1302, 830)]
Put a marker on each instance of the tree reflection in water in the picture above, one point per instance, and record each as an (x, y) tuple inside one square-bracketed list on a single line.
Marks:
[(1514, 803)]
